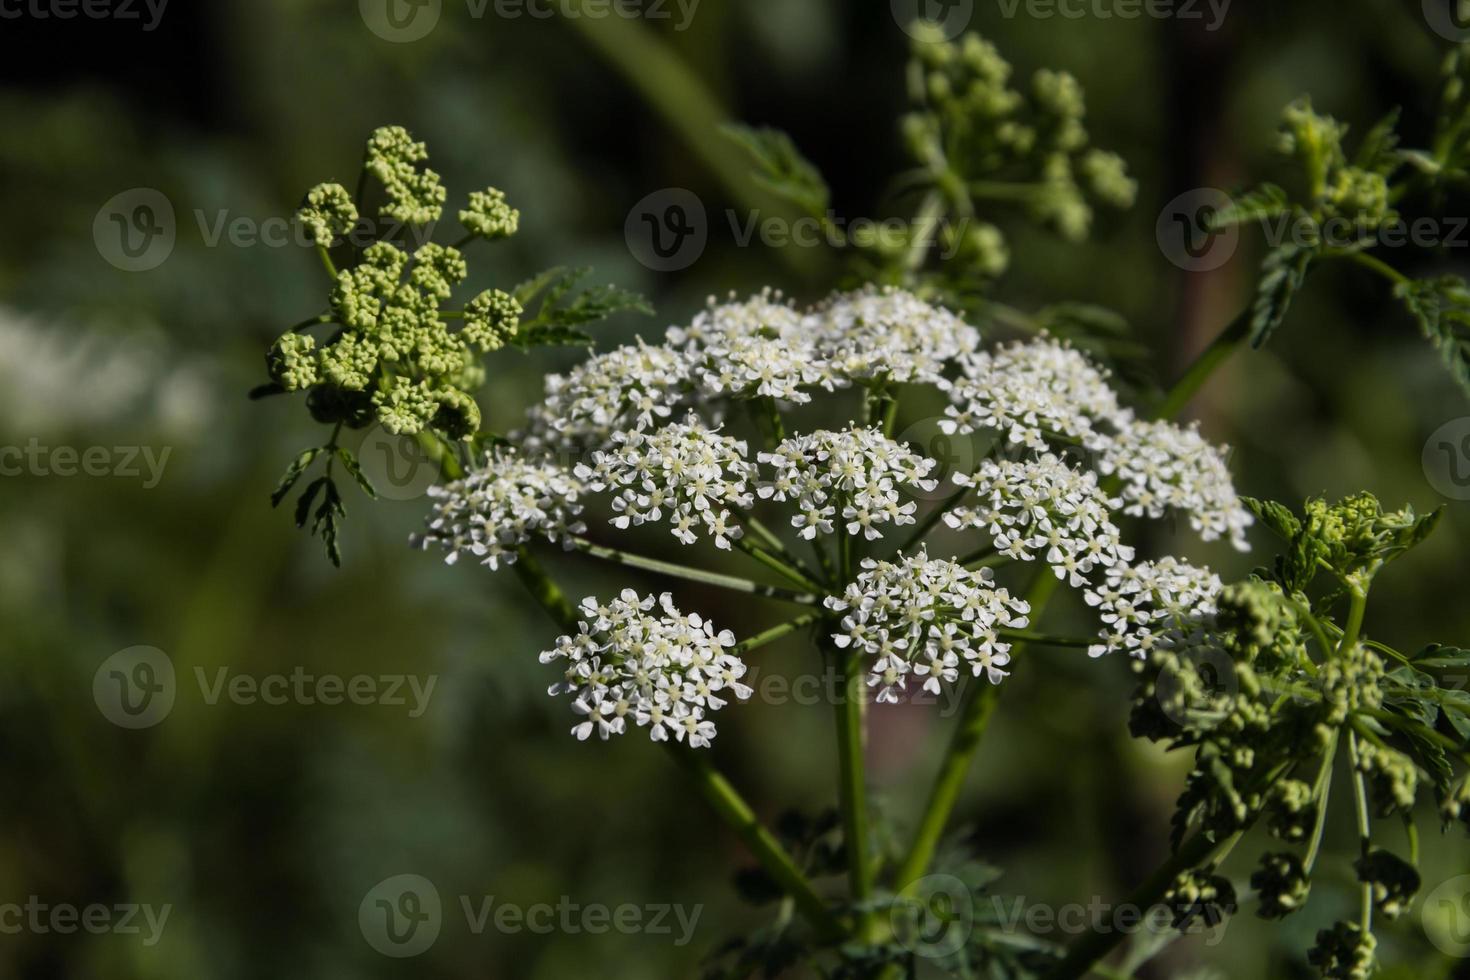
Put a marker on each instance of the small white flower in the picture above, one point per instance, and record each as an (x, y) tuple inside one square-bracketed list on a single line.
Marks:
[(494, 510), (1029, 391), (640, 658), (1151, 603), (1043, 507), (922, 616), (693, 471), (887, 335), (1165, 467), (750, 349), (856, 470)]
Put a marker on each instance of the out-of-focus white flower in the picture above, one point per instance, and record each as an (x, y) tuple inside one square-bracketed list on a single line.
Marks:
[(1165, 466), (495, 510), (1043, 506), (1029, 390), (875, 335), (656, 666), (687, 472), (633, 387), (926, 617), (858, 470), (1151, 603)]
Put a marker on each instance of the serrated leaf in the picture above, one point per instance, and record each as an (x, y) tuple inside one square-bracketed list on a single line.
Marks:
[(327, 521), (303, 502), (1441, 306), (1282, 272), (1260, 204), (293, 473), (561, 307), (780, 167), (1276, 517), (1378, 152), (354, 470), (1435, 655)]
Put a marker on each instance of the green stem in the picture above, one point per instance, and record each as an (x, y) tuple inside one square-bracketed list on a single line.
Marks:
[(1220, 349), (922, 529), (1381, 267), (1365, 833), (1048, 639), (715, 788), (327, 263), (728, 803), (850, 709), (732, 582), (1322, 793), (926, 222), (774, 633), (779, 567)]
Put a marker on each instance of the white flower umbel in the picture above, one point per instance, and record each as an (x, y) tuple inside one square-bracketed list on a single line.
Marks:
[(879, 335), (1165, 467), (755, 348), (929, 618), (1151, 603), (640, 659), (687, 472), (636, 386), (494, 510), (853, 476), (1028, 390), (1043, 507)]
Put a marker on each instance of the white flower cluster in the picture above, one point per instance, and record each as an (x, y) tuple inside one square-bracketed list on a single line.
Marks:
[(692, 473), (1165, 466), (1043, 506), (757, 348), (662, 669), (859, 470), (876, 335), (1151, 603), (929, 618), (625, 389), (1029, 390), (495, 510)]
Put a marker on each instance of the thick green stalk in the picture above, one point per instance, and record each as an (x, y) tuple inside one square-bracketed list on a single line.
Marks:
[(778, 566), (715, 788), (852, 788), (956, 763), (1220, 349), (732, 582), (774, 633)]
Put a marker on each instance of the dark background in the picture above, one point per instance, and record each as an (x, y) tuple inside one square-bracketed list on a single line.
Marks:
[(265, 826)]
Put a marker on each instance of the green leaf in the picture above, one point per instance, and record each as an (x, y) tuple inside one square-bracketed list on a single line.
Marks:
[(1436, 655), (554, 336), (1442, 308), (1262, 203), (1282, 272), (303, 502), (562, 307), (1378, 152), (327, 522), (781, 168), (1276, 517), (293, 473), (350, 464)]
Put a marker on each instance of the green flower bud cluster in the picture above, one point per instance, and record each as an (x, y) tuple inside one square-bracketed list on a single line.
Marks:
[(1351, 683), (1393, 779), (1290, 810), (415, 195), (1344, 952), (489, 216), (981, 246), (1198, 894), (1335, 188), (393, 356), (1282, 884), (988, 139), (328, 213), (1257, 625), (1393, 881)]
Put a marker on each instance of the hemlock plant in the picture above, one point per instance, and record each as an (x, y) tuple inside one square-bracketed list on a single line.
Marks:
[(722, 435)]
